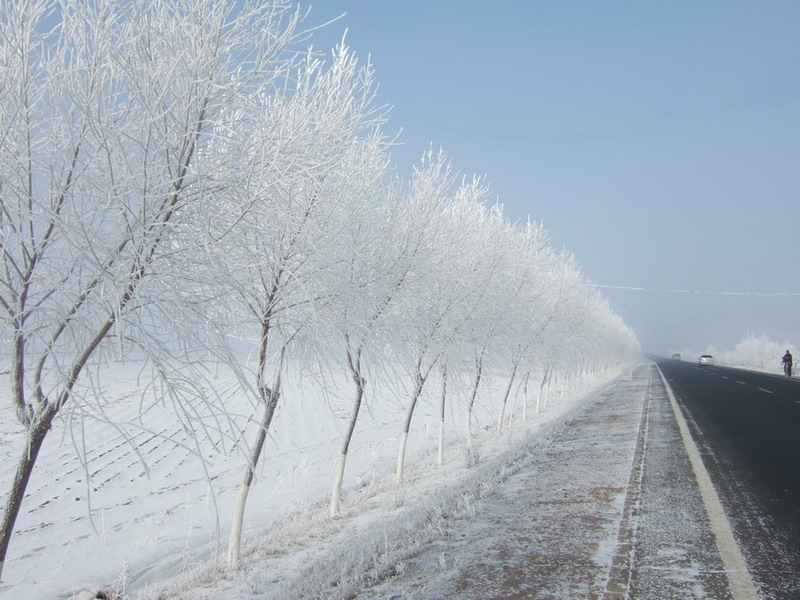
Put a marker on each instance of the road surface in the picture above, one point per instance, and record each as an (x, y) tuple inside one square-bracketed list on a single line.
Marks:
[(747, 426)]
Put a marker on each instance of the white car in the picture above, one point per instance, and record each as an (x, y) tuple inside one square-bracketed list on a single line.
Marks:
[(706, 359)]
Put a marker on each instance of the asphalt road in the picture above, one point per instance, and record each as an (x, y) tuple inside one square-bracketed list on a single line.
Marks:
[(747, 427)]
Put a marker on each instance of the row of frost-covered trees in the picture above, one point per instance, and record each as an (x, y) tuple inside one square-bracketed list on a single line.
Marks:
[(180, 181)]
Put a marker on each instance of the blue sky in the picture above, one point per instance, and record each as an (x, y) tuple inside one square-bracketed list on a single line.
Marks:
[(659, 142)]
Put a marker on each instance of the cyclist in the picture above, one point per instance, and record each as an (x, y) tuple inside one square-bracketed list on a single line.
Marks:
[(787, 363)]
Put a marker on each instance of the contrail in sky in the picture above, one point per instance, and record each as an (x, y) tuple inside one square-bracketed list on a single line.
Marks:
[(699, 292)]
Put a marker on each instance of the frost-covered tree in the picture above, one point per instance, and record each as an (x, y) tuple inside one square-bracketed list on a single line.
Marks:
[(479, 266), (427, 202), (386, 252), (518, 278), (535, 278), (283, 228), (105, 110), (526, 289), (445, 297)]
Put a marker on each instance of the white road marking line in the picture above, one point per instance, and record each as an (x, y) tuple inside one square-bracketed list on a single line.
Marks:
[(765, 391), (741, 382), (739, 578)]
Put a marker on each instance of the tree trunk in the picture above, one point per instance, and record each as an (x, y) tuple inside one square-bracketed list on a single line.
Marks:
[(338, 478), (540, 399), (401, 453), (270, 399), (244, 489), (336, 492), (505, 398), (552, 383), (36, 435), (234, 543), (525, 396), (479, 368), (440, 459), (401, 456), (510, 417)]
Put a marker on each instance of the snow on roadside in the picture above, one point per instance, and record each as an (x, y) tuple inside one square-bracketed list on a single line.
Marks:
[(129, 520)]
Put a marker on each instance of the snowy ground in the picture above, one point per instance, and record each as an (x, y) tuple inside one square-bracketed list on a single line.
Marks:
[(149, 522)]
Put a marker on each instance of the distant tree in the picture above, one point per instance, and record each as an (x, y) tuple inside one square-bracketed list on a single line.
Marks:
[(106, 112)]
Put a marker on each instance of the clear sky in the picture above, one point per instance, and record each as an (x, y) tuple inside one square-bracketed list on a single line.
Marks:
[(658, 141)]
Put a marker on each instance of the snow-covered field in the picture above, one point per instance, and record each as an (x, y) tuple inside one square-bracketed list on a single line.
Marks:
[(150, 519)]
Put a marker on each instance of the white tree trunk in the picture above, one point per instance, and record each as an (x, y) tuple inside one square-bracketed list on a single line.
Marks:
[(354, 365), (541, 400), (478, 370), (469, 427), (440, 458), (338, 478), (525, 396), (401, 454), (401, 457), (270, 399), (505, 399), (236, 528), (510, 419)]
